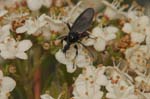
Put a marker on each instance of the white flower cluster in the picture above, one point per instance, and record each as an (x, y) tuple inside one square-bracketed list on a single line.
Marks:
[(89, 83), (11, 48), (116, 21), (134, 84), (93, 82)]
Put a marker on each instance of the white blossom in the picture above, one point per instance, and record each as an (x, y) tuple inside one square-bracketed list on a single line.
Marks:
[(137, 28), (100, 37), (71, 60), (142, 82), (11, 49), (114, 10), (7, 84), (137, 57), (35, 5), (3, 12), (120, 85), (114, 74), (88, 84), (56, 24), (4, 32), (73, 13), (120, 90), (134, 11), (46, 96), (33, 26)]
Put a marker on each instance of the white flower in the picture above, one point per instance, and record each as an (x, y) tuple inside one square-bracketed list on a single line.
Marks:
[(36, 5), (46, 96), (96, 75), (4, 32), (56, 24), (120, 91), (114, 10), (137, 57), (143, 83), (7, 84), (3, 12), (68, 58), (33, 26), (114, 74), (88, 84), (100, 37), (11, 49), (120, 84), (73, 13), (15, 16), (137, 28), (134, 11)]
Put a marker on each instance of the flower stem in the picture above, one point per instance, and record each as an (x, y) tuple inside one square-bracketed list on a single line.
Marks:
[(37, 72), (37, 83)]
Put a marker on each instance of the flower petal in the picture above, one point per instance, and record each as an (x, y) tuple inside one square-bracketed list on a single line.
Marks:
[(127, 28), (24, 45), (70, 68), (102, 80), (8, 84), (110, 13), (137, 37), (7, 55), (22, 55), (96, 32), (111, 29), (98, 95), (60, 56), (34, 5), (46, 96), (47, 3), (88, 42), (2, 46), (3, 12), (81, 61), (21, 29), (100, 44)]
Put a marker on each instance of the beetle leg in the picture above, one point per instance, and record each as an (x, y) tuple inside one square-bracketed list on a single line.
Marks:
[(76, 47), (68, 25)]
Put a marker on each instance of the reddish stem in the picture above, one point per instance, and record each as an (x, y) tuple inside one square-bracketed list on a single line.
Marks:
[(37, 83)]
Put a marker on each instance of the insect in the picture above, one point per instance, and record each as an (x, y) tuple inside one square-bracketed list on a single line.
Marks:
[(78, 29)]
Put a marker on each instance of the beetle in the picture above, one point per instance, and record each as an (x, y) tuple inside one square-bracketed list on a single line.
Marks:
[(79, 29)]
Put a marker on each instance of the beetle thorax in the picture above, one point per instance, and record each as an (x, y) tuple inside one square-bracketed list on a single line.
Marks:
[(73, 37)]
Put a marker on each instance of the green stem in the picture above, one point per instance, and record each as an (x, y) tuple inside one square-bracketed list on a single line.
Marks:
[(29, 92), (27, 83)]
